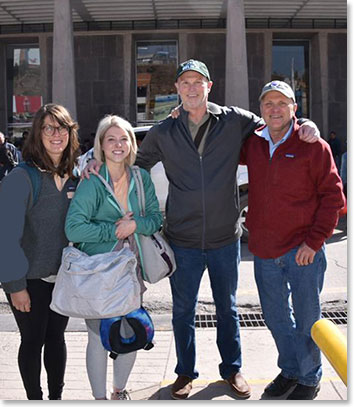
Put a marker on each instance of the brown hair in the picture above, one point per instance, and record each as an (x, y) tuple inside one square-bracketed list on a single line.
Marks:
[(34, 151)]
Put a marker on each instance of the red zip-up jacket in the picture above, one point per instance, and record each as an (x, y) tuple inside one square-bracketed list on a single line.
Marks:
[(293, 197)]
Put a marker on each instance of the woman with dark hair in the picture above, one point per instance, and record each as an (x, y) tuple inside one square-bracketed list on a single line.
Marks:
[(32, 240)]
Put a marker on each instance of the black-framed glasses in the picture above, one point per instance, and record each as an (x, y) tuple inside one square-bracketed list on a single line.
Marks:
[(49, 130)]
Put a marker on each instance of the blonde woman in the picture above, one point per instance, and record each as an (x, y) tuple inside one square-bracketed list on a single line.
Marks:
[(96, 223)]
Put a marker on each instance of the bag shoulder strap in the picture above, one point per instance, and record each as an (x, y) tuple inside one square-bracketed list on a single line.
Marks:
[(140, 188), (35, 178), (204, 130), (201, 132)]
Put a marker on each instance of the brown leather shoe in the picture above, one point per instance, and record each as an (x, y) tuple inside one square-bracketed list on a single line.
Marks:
[(181, 387), (239, 385)]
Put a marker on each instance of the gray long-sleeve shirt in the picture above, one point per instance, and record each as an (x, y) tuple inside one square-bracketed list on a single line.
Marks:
[(31, 238)]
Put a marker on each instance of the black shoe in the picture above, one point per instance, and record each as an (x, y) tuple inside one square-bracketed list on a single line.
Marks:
[(279, 386), (181, 387), (302, 392)]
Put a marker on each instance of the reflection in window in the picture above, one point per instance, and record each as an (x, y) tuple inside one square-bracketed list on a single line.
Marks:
[(156, 64), (24, 86), (291, 65)]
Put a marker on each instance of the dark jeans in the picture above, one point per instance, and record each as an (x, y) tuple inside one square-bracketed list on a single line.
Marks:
[(222, 266), (41, 327)]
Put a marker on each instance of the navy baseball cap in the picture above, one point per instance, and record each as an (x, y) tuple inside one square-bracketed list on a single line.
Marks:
[(278, 86), (193, 65)]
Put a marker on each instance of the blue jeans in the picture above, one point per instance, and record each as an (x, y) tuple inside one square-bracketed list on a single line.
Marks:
[(277, 280), (222, 266)]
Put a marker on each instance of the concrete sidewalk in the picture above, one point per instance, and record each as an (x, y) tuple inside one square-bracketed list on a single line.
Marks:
[(153, 372)]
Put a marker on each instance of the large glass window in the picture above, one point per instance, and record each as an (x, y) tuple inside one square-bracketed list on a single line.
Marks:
[(291, 65), (156, 64), (23, 86)]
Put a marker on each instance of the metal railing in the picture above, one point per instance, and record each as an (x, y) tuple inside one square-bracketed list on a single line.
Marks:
[(132, 25)]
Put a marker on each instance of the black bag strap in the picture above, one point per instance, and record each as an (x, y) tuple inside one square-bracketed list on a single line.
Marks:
[(202, 130)]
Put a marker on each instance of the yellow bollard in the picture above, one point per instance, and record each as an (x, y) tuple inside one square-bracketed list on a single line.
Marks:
[(333, 344)]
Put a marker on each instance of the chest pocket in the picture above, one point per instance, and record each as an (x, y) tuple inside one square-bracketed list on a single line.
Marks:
[(290, 172)]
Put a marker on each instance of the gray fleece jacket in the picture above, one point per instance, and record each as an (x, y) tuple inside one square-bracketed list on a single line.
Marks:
[(32, 237)]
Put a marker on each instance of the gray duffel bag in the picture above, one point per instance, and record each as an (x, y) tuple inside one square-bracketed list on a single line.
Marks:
[(93, 287)]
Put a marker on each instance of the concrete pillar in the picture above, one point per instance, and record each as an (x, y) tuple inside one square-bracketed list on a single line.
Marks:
[(3, 91), (182, 48), (323, 69), (44, 71), (268, 56), (236, 79), (127, 57), (63, 57)]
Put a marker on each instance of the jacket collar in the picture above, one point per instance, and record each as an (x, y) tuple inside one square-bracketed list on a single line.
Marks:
[(212, 108)]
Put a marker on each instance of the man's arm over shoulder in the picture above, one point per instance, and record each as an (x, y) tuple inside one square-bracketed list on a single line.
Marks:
[(249, 121), (329, 189), (149, 152)]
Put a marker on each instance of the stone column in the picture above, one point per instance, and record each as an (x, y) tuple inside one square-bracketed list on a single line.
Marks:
[(3, 92), (323, 63), (236, 80), (44, 71), (63, 57), (128, 61), (182, 48), (268, 60)]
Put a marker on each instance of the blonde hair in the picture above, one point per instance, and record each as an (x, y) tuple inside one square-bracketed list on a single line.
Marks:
[(114, 121)]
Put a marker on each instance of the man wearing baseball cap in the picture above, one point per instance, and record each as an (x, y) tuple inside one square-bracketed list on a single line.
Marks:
[(200, 152), (295, 194)]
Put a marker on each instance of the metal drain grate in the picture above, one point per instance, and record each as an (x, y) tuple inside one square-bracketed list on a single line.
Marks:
[(255, 320), (337, 317)]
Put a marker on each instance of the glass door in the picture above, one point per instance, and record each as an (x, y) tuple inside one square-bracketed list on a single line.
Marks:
[(156, 63), (23, 86), (291, 65)]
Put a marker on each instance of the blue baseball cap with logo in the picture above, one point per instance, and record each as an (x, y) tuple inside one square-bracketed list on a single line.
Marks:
[(278, 86), (193, 65)]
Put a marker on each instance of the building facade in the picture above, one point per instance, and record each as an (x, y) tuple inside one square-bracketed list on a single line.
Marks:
[(127, 67)]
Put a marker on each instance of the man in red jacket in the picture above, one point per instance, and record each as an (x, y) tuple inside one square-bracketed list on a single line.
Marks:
[(295, 194)]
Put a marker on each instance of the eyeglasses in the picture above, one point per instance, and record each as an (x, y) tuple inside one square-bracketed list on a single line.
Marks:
[(49, 130)]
